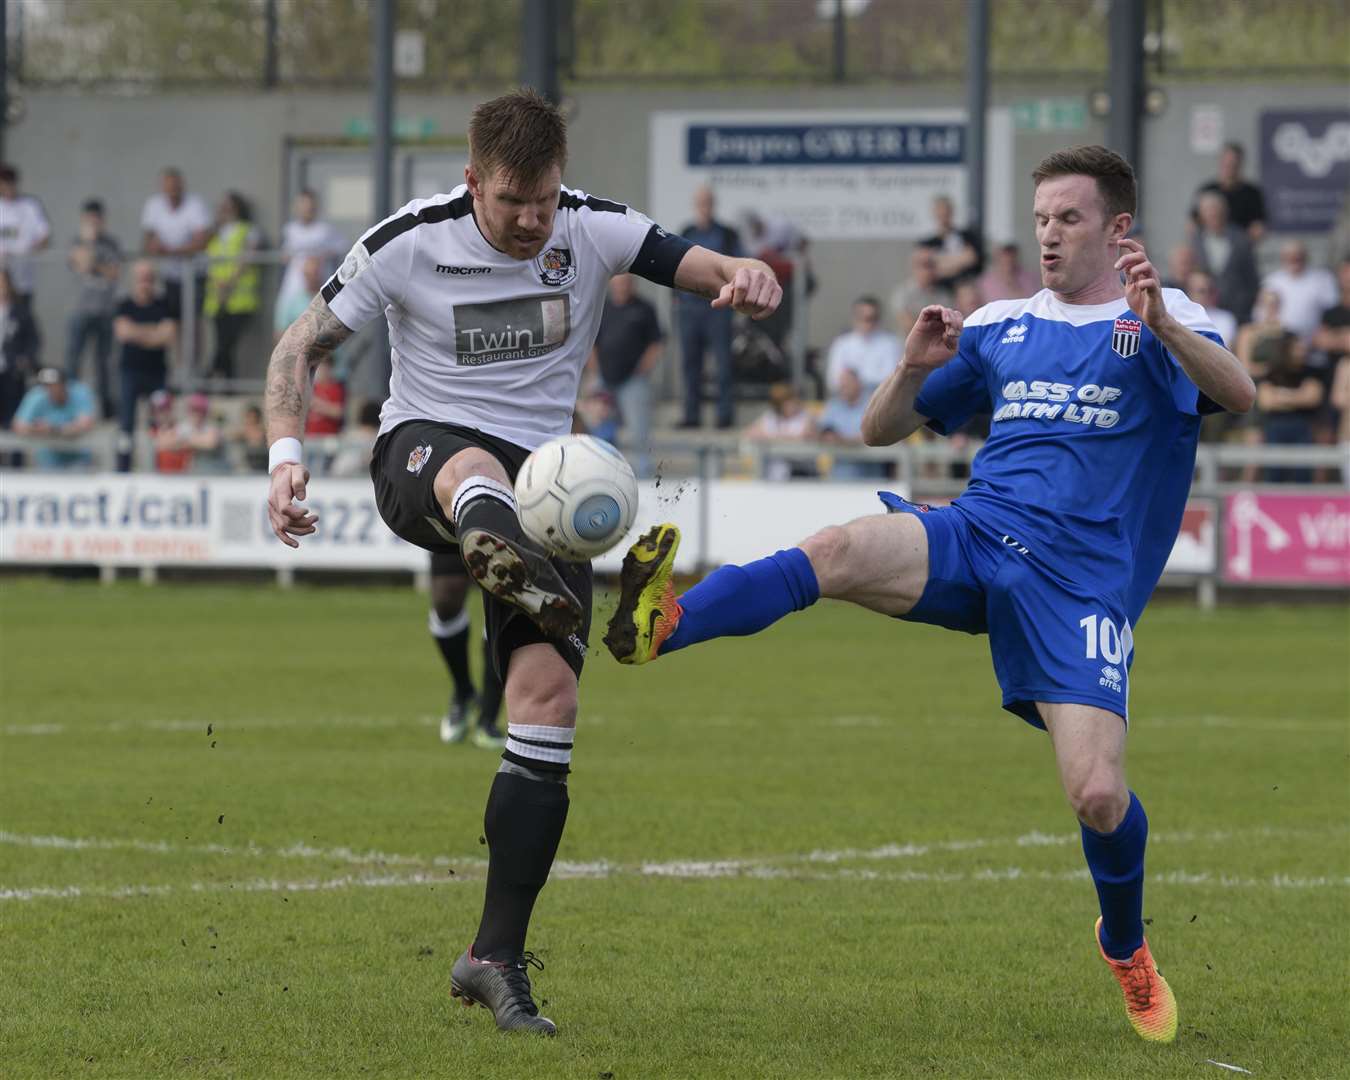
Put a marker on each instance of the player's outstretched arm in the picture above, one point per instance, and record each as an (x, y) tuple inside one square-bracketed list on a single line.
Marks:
[(745, 285), (1219, 374), (307, 341), (890, 415)]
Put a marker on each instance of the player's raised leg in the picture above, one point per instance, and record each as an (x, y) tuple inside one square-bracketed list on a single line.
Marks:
[(475, 494), (878, 562), (523, 824), (1090, 751)]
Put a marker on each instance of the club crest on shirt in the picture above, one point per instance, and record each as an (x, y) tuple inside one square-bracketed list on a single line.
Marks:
[(418, 458), (557, 267), (1125, 336), (356, 261)]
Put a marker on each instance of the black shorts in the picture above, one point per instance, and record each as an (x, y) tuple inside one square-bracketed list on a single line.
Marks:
[(448, 564), (403, 467)]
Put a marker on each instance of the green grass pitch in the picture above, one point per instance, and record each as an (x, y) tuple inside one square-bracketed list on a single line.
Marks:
[(231, 845)]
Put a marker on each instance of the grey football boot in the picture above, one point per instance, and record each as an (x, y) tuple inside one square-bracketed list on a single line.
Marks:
[(502, 987), (514, 571)]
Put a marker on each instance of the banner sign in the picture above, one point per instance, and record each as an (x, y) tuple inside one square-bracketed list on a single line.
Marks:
[(824, 144), (1305, 167), (149, 520), (1274, 539), (833, 175)]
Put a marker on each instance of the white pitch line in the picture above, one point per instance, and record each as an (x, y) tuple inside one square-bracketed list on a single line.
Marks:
[(1272, 724), (698, 871), (715, 867), (292, 851), (220, 727)]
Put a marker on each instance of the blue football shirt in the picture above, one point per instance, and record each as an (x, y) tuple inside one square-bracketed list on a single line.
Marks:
[(1093, 434)]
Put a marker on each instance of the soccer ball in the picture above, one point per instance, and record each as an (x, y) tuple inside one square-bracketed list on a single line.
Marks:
[(576, 497)]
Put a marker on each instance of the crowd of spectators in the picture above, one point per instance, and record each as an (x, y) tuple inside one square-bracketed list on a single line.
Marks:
[(126, 318), (1290, 326), (126, 321)]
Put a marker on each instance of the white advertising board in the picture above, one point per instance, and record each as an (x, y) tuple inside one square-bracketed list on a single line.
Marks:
[(835, 175), (147, 520)]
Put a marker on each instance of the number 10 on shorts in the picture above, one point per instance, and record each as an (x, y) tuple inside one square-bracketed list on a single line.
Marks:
[(1115, 646)]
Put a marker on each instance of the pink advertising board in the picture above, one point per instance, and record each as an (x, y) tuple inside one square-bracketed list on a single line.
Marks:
[(1273, 538)]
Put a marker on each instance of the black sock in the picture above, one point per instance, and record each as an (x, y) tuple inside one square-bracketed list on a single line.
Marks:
[(484, 503), (452, 638), (490, 697), (526, 812)]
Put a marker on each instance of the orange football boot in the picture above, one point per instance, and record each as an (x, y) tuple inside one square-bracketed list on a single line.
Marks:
[(1148, 999)]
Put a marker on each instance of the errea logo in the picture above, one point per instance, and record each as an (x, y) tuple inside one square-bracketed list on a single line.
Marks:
[(1110, 679), (1015, 335)]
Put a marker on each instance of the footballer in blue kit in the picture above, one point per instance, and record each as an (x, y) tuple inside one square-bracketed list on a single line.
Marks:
[(1096, 387)]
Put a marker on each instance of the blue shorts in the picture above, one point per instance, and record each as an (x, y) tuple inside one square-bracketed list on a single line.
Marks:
[(1050, 640)]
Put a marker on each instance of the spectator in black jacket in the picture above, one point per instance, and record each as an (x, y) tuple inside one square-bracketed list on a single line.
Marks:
[(18, 348), (703, 328), (1224, 252), (1246, 202), (960, 253)]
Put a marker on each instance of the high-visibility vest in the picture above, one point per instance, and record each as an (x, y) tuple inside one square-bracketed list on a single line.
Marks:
[(225, 247)]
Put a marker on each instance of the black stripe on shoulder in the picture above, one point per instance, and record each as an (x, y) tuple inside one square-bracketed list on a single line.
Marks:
[(568, 201), (331, 289), (450, 210)]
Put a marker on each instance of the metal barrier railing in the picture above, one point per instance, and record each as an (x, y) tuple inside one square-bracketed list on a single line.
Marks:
[(917, 466), (189, 355)]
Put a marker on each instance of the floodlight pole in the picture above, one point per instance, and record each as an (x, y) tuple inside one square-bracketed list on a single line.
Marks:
[(977, 109), (1125, 81), (840, 42), (382, 144), (4, 73), (270, 60), (539, 48), (382, 149)]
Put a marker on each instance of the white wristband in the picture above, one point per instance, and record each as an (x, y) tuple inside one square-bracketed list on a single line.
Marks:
[(282, 451)]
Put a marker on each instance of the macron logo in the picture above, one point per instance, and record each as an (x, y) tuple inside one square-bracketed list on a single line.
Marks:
[(1015, 335)]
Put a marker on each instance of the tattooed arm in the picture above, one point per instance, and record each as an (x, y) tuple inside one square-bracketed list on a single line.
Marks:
[(308, 340)]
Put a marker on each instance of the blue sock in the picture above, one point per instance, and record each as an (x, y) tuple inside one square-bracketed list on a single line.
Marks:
[(734, 601), (1116, 860)]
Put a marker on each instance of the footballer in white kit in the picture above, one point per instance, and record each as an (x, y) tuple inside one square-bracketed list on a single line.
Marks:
[(493, 294)]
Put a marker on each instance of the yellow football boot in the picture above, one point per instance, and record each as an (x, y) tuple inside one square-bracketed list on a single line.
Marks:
[(648, 612)]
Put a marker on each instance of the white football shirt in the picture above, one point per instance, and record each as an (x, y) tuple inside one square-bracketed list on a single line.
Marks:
[(483, 340), (23, 226), (174, 225), (299, 240)]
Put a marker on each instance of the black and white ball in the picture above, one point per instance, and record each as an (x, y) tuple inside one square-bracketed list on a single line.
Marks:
[(576, 496)]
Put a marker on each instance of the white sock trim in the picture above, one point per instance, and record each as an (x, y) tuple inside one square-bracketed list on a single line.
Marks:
[(475, 487), (557, 755), (444, 628)]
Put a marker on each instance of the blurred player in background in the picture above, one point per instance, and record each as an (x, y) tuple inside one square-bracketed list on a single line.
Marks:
[(448, 622), (493, 295), (1097, 390)]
